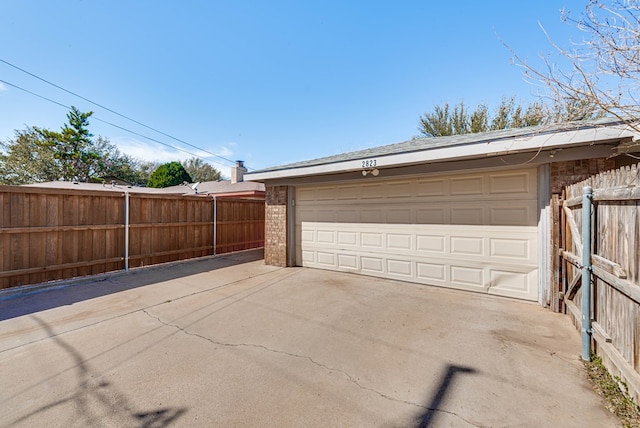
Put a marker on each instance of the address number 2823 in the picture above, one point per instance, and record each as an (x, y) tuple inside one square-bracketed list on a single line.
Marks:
[(369, 163)]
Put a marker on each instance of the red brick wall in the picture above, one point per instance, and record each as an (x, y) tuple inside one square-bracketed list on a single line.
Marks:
[(570, 172), (275, 241)]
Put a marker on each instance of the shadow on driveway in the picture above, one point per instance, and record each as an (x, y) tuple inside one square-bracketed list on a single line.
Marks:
[(94, 398), (427, 419), (28, 301)]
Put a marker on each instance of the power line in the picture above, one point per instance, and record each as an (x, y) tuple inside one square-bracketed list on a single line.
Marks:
[(114, 112), (109, 123)]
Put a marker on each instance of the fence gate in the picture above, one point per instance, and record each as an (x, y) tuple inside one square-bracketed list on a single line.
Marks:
[(598, 250)]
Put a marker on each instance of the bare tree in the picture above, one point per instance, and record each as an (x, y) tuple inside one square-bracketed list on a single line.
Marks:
[(199, 170), (601, 72)]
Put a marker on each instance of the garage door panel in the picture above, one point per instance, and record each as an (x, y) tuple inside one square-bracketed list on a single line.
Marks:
[(347, 261), (467, 185), (306, 194), (372, 240), (431, 271), (431, 216), (432, 187), (308, 235), (431, 243), (348, 192), (400, 267), (372, 265), (372, 216), (347, 216), (518, 183), (397, 241), (521, 285), (305, 214), (309, 257), (467, 215), (513, 213), (468, 275), (326, 215), (373, 191), (512, 248), (467, 246), (347, 238), (399, 215), (326, 237), (326, 259), (401, 189), (326, 193)]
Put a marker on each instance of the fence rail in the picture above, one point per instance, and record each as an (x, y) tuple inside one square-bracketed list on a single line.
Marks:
[(58, 234), (615, 272)]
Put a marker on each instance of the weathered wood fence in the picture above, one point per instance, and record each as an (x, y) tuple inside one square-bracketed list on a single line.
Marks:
[(49, 234), (615, 272)]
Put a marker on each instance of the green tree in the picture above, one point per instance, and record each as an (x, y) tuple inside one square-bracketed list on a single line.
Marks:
[(143, 170), (25, 160), (35, 155), (168, 174), (437, 123), (200, 170), (443, 121), (73, 147), (479, 119)]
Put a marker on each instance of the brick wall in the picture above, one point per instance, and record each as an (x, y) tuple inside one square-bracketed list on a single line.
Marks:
[(275, 240), (570, 172)]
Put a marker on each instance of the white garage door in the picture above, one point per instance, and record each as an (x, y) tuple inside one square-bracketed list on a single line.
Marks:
[(467, 231)]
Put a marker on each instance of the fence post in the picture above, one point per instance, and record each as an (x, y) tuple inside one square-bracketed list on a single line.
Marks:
[(215, 224), (555, 263), (126, 231), (587, 194)]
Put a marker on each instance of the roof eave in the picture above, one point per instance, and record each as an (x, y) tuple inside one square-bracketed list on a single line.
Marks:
[(528, 143)]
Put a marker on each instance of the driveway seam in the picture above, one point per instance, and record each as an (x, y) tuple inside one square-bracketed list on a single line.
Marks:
[(311, 360)]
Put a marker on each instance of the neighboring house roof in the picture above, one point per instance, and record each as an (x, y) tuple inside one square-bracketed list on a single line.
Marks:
[(467, 146), (213, 188), (74, 185), (224, 187)]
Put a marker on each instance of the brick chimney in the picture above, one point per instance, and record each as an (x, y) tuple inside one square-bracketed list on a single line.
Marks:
[(237, 172)]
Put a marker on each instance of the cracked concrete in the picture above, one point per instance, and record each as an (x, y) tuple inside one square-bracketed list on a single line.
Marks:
[(229, 343), (349, 377)]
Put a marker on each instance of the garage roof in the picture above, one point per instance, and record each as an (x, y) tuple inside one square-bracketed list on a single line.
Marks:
[(468, 146)]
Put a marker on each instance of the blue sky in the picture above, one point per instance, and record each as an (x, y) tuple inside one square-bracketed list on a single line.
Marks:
[(268, 82)]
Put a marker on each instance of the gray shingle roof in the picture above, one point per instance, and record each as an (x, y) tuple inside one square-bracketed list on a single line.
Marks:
[(423, 144), (213, 187)]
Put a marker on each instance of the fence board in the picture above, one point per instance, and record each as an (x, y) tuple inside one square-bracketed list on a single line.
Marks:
[(48, 234), (240, 225)]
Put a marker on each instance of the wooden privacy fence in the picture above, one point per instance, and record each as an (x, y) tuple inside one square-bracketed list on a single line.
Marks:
[(615, 268), (49, 234)]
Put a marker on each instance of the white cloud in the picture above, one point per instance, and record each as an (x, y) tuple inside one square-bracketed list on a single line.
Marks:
[(223, 151), (150, 151), (3, 87)]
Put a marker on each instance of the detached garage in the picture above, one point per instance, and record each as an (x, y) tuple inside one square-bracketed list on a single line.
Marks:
[(467, 212)]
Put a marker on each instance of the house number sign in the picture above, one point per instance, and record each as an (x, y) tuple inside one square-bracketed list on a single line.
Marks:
[(369, 163)]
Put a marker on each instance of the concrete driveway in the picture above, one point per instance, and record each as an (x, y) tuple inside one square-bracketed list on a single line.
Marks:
[(232, 342)]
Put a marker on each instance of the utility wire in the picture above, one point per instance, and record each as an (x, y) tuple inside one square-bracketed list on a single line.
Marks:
[(114, 112), (109, 123)]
